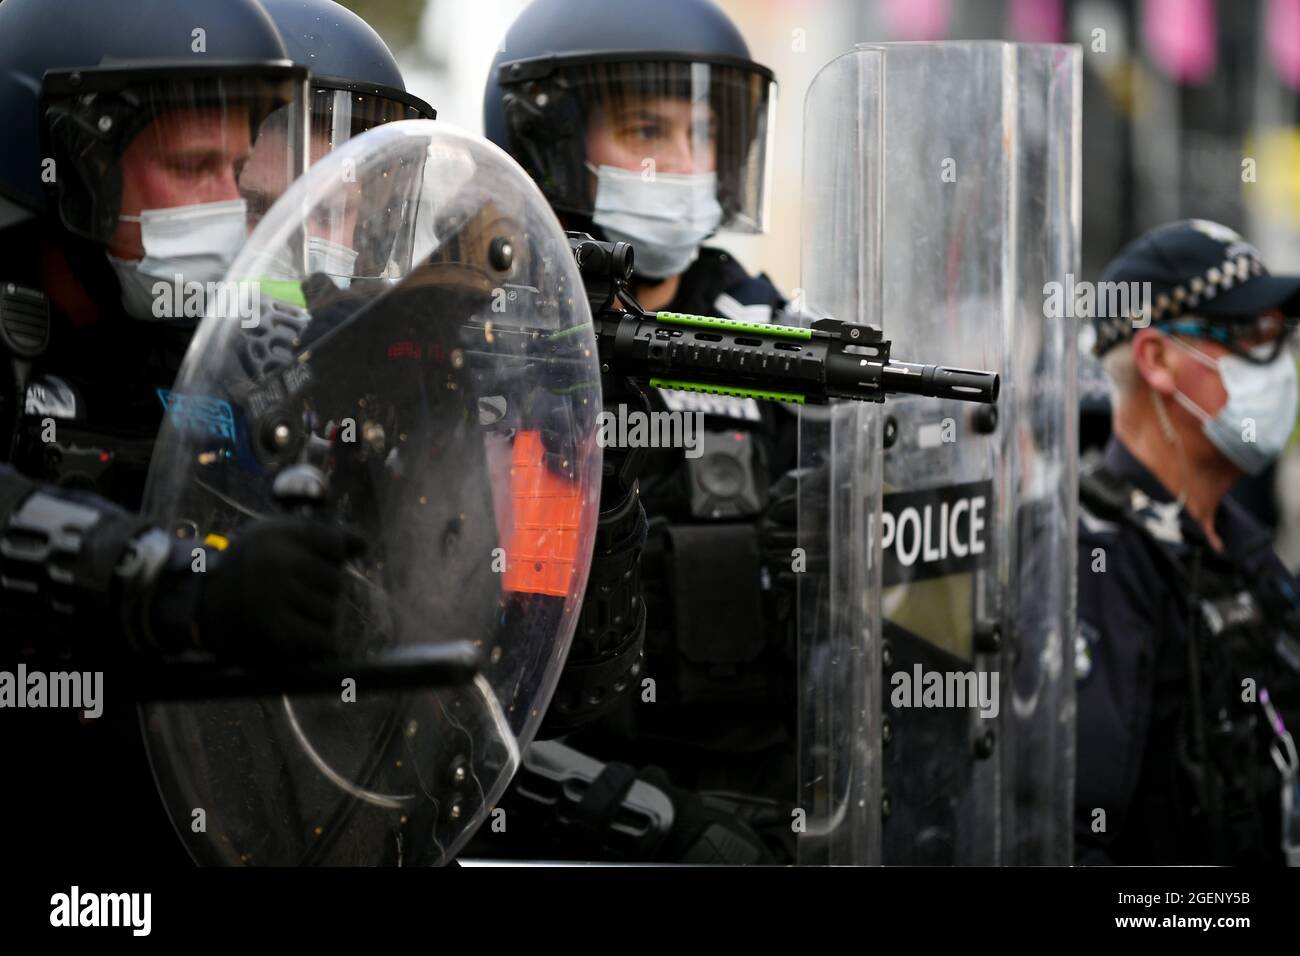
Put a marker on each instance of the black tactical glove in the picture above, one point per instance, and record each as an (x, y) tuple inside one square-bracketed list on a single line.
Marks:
[(704, 832), (275, 590), (572, 806)]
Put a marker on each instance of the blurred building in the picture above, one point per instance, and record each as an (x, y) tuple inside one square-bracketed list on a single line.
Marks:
[(1191, 107)]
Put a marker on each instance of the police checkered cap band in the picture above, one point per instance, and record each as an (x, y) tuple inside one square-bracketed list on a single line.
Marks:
[(1192, 266), (1178, 301)]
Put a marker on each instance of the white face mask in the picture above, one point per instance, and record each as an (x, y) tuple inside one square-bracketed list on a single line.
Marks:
[(323, 255), (665, 218), (332, 258), (1262, 404), (196, 243)]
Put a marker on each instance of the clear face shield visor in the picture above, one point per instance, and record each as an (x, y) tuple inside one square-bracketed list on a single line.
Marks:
[(580, 125)]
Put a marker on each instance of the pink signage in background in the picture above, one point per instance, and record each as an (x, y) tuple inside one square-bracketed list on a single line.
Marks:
[(916, 19), (1181, 38), (1036, 21), (1282, 29)]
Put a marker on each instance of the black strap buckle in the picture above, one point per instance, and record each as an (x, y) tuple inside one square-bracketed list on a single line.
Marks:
[(24, 320)]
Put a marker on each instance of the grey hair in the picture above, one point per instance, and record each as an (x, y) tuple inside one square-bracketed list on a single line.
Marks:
[(1121, 369)]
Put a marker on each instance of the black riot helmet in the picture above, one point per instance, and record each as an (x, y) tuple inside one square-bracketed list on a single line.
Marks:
[(581, 87), (355, 82), (116, 115), (356, 85)]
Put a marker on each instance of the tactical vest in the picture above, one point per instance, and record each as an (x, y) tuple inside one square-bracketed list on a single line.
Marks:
[(82, 407), (1208, 790), (723, 682)]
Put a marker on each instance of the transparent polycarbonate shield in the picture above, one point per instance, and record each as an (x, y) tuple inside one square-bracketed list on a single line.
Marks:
[(443, 408), (839, 483), (944, 212)]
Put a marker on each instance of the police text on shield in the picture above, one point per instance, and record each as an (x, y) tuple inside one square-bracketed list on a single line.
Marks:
[(935, 531)]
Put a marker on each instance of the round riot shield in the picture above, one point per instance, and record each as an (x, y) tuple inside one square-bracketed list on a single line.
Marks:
[(942, 205), (439, 400)]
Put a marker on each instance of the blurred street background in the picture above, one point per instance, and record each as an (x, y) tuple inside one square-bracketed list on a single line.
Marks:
[(1190, 108), (1178, 94)]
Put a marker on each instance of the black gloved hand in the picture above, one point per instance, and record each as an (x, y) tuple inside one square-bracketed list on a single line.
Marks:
[(703, 832), (275, 590)]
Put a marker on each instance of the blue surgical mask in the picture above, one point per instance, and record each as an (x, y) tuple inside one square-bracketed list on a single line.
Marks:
[(1262, 404), (666, 217)]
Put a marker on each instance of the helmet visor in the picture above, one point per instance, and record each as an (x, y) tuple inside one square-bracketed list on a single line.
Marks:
[(340, 111), (339, 244), (656, 118), (135, 151)]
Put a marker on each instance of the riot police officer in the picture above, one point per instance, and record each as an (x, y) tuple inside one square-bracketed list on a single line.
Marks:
[(1188, 643), (123, 190), (650, 125)]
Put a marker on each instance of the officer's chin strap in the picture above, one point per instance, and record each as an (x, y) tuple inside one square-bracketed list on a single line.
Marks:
[(1283, 752), (1171, 436)]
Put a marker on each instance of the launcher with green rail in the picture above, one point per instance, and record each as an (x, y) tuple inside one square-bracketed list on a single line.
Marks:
[(831, 359)]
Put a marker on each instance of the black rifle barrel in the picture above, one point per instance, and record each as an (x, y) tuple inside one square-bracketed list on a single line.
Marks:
[(939, 381)]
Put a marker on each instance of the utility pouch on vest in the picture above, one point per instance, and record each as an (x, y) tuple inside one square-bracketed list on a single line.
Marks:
[(717, 607)]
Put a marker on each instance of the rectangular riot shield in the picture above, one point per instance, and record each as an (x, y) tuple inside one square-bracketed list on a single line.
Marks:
[(942, 203), (839, 483)]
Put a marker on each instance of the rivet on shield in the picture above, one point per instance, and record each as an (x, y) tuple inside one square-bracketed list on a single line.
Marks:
[(501, 254), (891, 431), (987, 637), (459, 775), (986, 419), (277, 436)]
